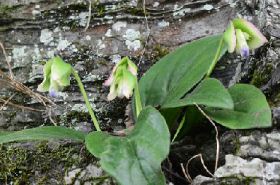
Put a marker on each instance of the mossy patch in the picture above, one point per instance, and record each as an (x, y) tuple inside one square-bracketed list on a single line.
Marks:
[(238, 180), (237, 145), (5, 10), (40, 163), (262, 76), (158, 52)]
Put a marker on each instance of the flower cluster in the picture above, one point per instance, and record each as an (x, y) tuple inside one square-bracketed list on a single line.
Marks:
[(56, 76), (122, 80), (241, 36)]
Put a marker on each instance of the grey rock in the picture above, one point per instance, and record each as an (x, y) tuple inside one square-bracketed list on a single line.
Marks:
[(262, 145), (237, 170), (92, 174), (34, 30)]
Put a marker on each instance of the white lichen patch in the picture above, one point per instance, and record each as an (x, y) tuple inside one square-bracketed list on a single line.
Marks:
[(208, 7), (115, 58), (119, 25), (133, 3), (50, 54), (37, 53), (179, 11), (46, 36), (63, 44), (88, 37), (100, 44), (163, 24), (108, 33), (81, 107), (132, 39), (74, 48), (91, 78), (108, 17), (71, 176), (83, 18), (110, 7), (19, 54), (132, 34), (36, 12), (133, 45), (57, 30), (156, 4)]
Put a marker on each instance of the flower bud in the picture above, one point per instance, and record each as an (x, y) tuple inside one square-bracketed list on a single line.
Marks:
[(242, 36), (56, 76), (122, 80)]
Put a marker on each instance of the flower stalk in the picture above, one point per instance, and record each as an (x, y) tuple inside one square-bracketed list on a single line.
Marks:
[(137, 98), (82, 89), (57, 76)]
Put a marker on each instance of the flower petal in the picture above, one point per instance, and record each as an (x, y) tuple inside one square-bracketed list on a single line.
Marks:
[(111, 96), (230, 38), (53, 93), (113, 92), (132, 67), (45, 85), (126, 84), (111, 78), (241, 44), (122, 79), (109, 81), (60, 72), (256, 38)]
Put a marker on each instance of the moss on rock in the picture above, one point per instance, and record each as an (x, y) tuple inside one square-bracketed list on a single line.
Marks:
[(40, 163), (262, 75)]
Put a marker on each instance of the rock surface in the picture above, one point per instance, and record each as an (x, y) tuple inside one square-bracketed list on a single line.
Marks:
[(33, 31)]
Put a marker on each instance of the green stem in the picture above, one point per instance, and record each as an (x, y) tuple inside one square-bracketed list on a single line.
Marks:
[(217, 56), (138, 104), (82, 89)]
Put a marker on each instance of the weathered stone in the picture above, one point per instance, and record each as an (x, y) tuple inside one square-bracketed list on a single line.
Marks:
[(256, 171), (33, 31)]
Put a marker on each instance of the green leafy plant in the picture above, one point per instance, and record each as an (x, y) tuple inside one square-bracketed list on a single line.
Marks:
[(177, 84), (136, 158)]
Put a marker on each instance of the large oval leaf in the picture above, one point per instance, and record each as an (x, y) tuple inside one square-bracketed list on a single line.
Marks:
[(42, 133), (175, 74), (135, 159), (210, 92), (251, 109)]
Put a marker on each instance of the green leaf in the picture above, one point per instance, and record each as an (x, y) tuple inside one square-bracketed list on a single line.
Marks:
[(251, 109), (42, 133), (210, 92), (134, 159), (177, 73)]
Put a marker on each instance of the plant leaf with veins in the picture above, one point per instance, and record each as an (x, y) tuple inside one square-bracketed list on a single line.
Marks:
[(135, 159)]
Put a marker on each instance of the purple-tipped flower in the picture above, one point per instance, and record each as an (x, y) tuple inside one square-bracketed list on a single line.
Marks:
[(122, 80), (56, 76), (241, 36), (52, 93), (241, 44)]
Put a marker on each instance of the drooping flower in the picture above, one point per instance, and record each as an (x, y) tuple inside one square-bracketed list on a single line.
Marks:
[(56, 76), (122, 80), (241, 36)]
